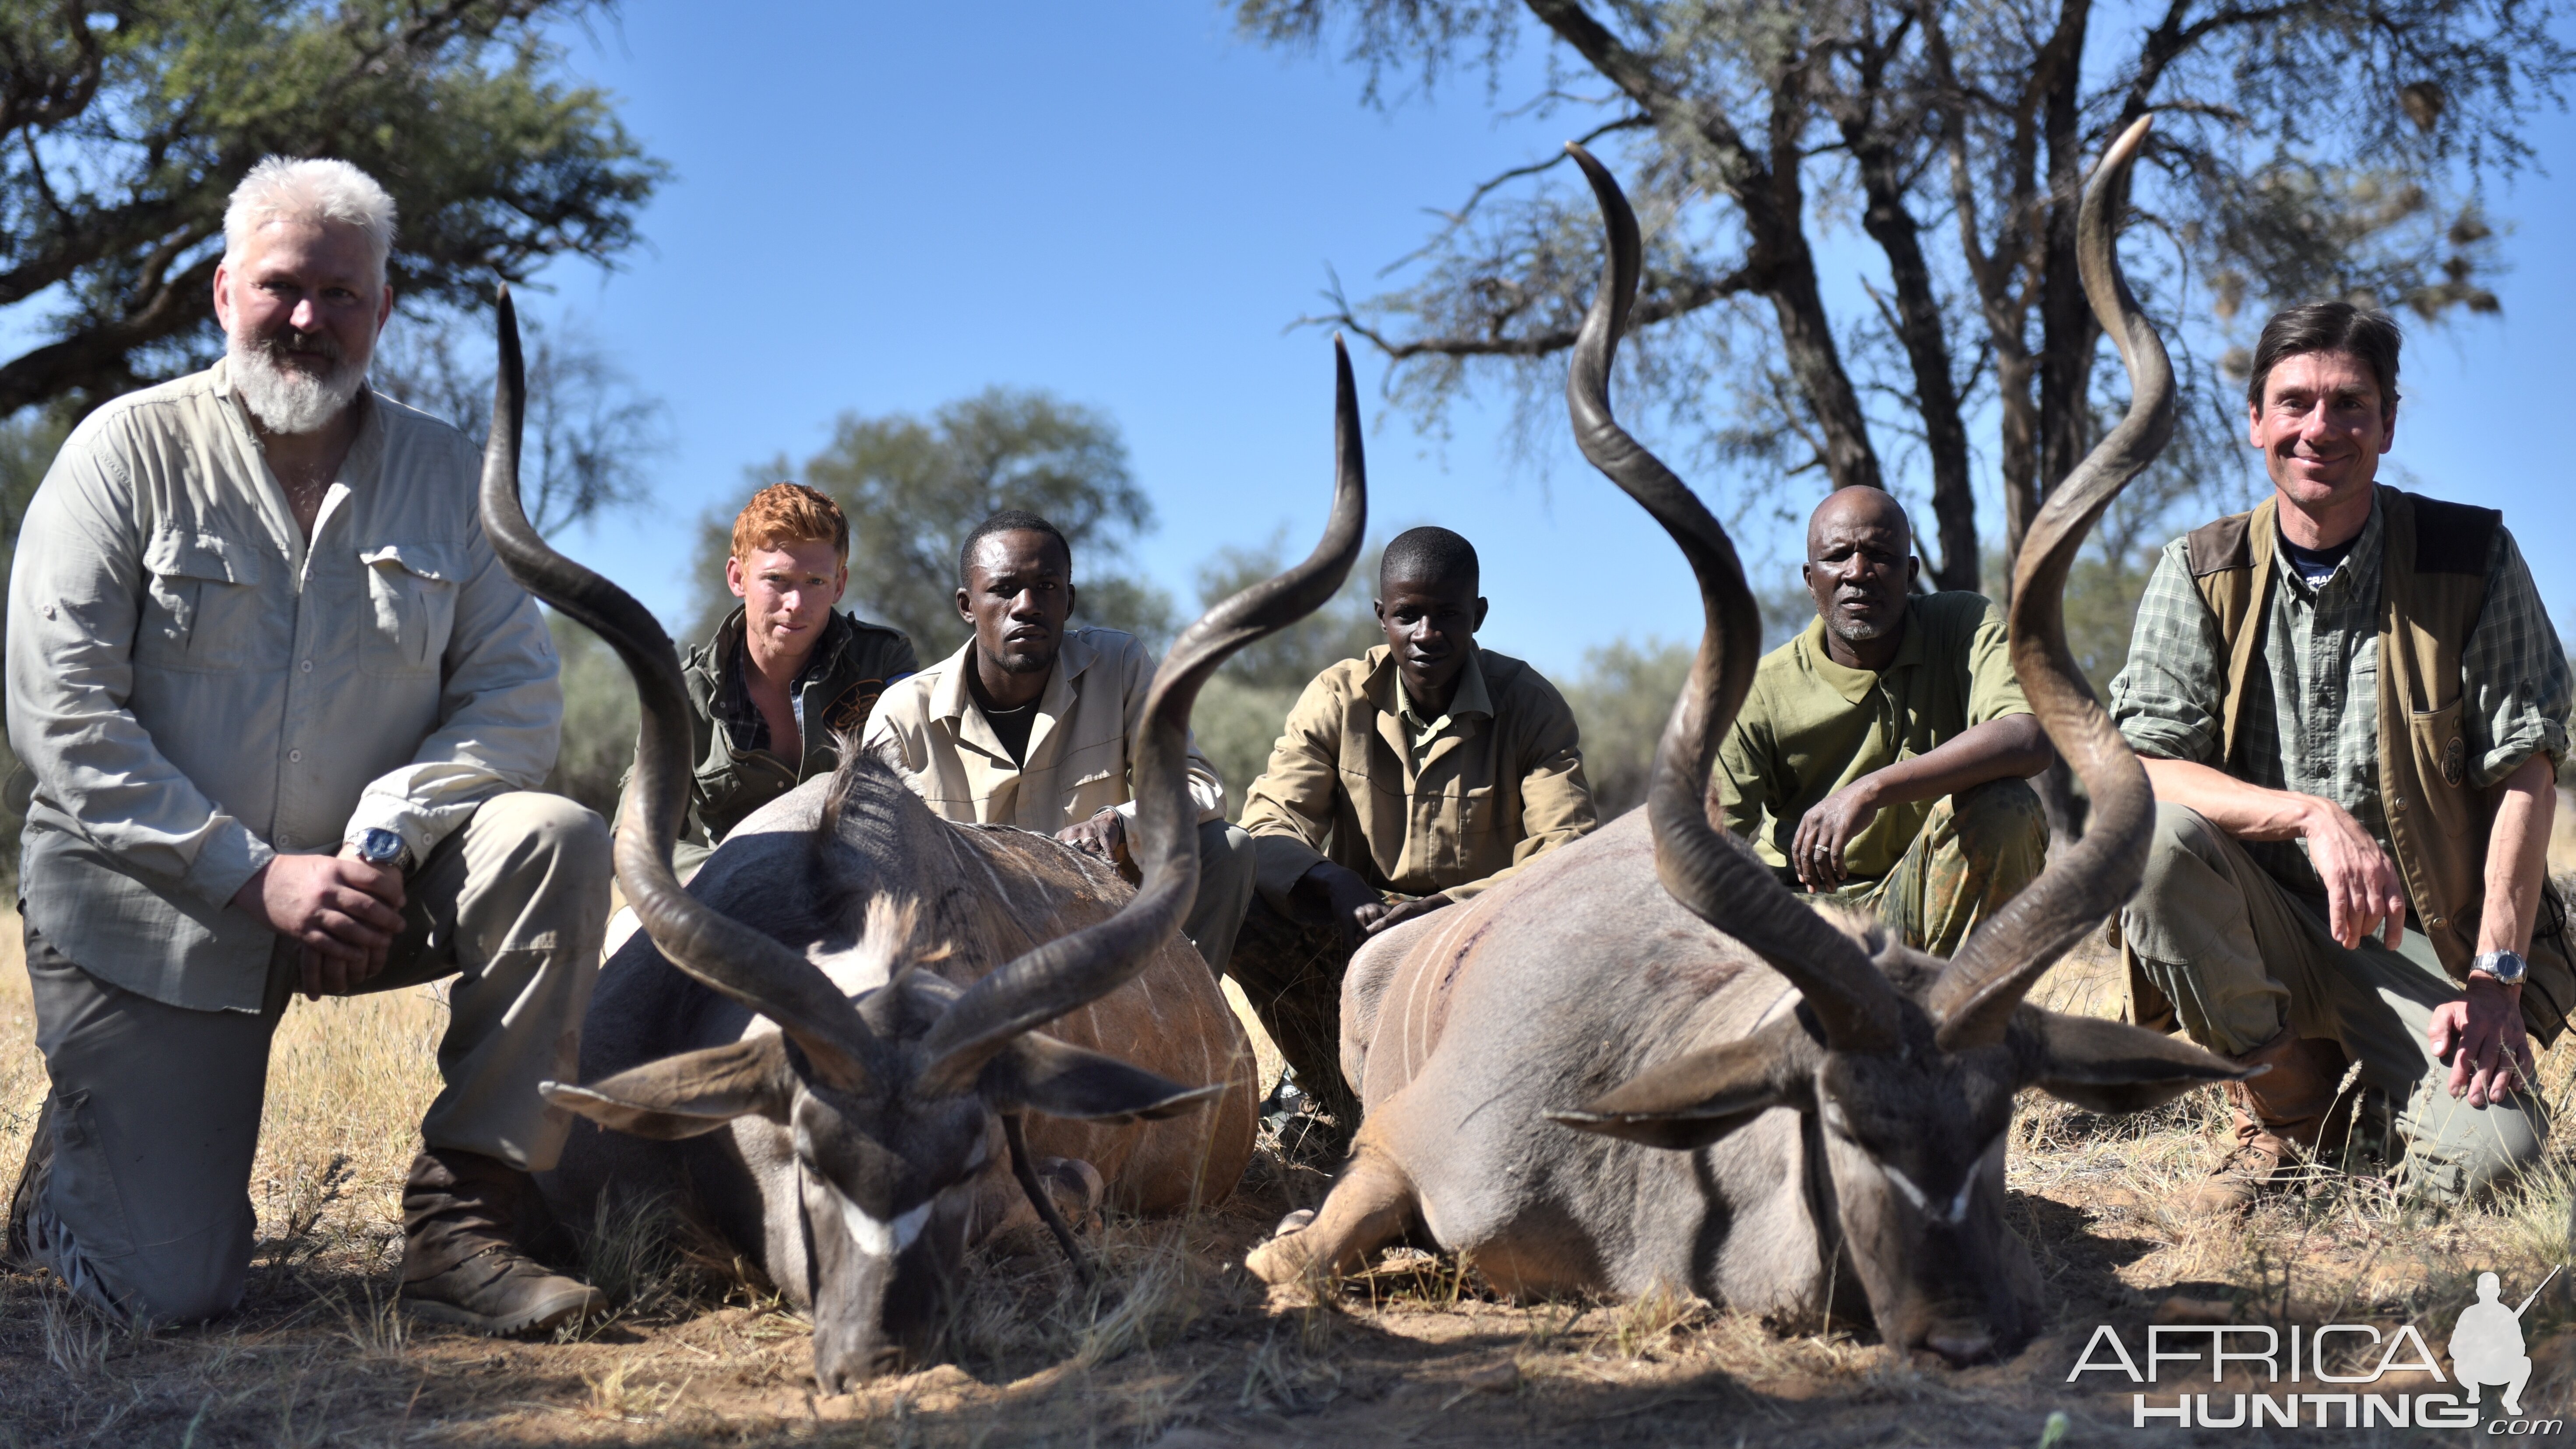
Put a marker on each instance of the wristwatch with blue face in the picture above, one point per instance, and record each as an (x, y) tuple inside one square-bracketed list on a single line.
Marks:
[(2505, 966), (385, 848)]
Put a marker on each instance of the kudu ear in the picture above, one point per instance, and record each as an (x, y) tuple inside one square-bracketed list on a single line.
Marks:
[(1701, 1096), (690, 1094), (1038, 1073), (2109, 1066)]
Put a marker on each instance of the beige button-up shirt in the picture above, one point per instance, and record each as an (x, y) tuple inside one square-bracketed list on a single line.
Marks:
[(195, 689), (1451, 811), (1078, 758)]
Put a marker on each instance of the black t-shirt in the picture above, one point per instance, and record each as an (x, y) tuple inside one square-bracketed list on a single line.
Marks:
[(1010, 726), (2316, 565)]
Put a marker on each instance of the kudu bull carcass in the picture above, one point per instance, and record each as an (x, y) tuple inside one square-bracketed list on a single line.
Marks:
[(822, 1050), (1774, 1104)]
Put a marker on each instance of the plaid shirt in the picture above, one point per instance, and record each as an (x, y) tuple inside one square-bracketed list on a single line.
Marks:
[(2316, 731)]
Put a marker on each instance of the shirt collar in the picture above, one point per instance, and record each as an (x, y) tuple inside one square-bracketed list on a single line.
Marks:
[(2358, 568), (1852, 684), (950, 699), (1472, 701)]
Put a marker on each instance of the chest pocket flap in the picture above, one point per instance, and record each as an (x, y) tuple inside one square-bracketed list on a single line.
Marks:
[(412, 588), (200, 613)]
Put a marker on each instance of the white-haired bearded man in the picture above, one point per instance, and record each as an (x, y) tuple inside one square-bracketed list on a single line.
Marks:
[(285, 713)]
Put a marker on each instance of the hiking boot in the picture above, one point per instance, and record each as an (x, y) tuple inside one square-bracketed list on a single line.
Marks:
[(17, 1254), (2280, 1114), (462, 1215)]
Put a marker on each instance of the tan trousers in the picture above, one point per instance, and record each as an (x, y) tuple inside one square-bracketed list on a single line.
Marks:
[(154, 1110), (1977, 850), (2237, 956)]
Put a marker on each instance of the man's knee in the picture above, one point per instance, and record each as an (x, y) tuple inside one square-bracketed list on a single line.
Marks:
[(548, 828), (1999, 818), (2457, 1153)]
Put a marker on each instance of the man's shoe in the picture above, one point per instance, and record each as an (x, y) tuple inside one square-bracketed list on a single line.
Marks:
[(17, 1254), (2280, 1116), (461, 1260)]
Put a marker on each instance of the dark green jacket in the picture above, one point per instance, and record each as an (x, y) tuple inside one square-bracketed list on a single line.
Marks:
[(853, 664)]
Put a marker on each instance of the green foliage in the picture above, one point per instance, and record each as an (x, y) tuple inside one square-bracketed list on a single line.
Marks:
[(1621, 701), (914, 487), (126, 126), (599, 719)]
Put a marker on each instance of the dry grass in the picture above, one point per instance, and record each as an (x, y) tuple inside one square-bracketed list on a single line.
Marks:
[(1180, 1347)]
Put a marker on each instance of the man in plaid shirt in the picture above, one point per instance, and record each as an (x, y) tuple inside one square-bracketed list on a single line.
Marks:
[(2351, 704)]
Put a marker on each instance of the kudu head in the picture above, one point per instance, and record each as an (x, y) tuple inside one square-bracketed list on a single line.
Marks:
[(894, 1097), (1905, 1068)]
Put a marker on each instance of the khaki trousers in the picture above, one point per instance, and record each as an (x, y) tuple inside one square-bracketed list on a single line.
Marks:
[(154, 1109), (1977, 850), (2238, 956)]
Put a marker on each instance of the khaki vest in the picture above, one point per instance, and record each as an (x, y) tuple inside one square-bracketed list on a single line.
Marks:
[(2432, 587)]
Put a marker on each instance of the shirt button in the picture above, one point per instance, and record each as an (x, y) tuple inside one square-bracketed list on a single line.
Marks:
[(295, 757), (308, 666)]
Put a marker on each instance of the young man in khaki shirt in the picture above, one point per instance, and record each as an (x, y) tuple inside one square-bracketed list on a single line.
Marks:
[(1406, 781), (1033, 724)]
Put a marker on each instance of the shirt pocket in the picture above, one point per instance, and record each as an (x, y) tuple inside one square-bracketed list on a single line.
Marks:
[(411, 594), (201, 602)]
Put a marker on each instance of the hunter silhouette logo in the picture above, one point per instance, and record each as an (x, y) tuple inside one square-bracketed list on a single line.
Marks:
[(2486, 1344), (2327, 1377)]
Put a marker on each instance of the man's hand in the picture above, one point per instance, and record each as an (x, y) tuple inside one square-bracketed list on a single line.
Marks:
[(2363, 895), (1387, 915), (2485, 1029), (1816, 854), (344, 911), (1353, 905), (1104, 835)]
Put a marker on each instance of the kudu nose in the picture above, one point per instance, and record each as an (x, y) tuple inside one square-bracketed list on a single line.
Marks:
[(1961, 1344)]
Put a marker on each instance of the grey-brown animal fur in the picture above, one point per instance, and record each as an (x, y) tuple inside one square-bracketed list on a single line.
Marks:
[(1643, 1064), (905, 964)]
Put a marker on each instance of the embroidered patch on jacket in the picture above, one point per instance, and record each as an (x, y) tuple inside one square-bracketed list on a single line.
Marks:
[(855, 702), (2455, 762)]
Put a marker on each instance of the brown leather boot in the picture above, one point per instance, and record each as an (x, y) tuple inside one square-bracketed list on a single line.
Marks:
[(461, 1261), (2281, 1114)]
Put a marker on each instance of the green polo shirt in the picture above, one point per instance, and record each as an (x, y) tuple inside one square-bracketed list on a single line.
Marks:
[(1811, 726)]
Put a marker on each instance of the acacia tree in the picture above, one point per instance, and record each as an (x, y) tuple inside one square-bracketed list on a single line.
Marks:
[(2307, 149), (125, 124)]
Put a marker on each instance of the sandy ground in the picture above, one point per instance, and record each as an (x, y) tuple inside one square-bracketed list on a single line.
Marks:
[(1183, 1348)]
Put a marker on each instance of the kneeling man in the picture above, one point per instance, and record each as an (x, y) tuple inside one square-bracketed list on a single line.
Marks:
[(784, 674), (1033, 724), (1408, 780), (285, 713), (2352, 706), (1879, 760)]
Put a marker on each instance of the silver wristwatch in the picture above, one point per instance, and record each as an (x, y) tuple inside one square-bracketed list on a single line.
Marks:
[(2505, 966), (383, 847)]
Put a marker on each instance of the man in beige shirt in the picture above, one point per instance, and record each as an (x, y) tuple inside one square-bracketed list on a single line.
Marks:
[(284, 711), (1406, 781), (1033, 724)]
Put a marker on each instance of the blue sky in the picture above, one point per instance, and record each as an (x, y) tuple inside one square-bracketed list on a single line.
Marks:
[(882, 208)]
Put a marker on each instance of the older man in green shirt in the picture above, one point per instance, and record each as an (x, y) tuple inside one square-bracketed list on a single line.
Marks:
[(1879, 760)]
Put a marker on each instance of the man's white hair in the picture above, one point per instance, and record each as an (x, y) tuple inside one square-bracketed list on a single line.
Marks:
[(315, 189)]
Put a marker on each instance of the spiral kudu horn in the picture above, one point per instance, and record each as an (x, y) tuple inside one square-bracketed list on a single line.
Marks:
[(1702, 866), (2013, 948), (728, 956), (1072, 970)]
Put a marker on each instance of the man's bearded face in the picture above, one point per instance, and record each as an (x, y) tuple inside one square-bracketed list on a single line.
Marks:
[(301, 303)]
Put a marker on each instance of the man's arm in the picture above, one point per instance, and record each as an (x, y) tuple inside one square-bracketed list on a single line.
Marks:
[(2012, 747), (2363, 894), (2484, 1027), (501, 720)]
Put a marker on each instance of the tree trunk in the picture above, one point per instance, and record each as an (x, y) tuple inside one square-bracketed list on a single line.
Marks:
[(1927, 348)]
